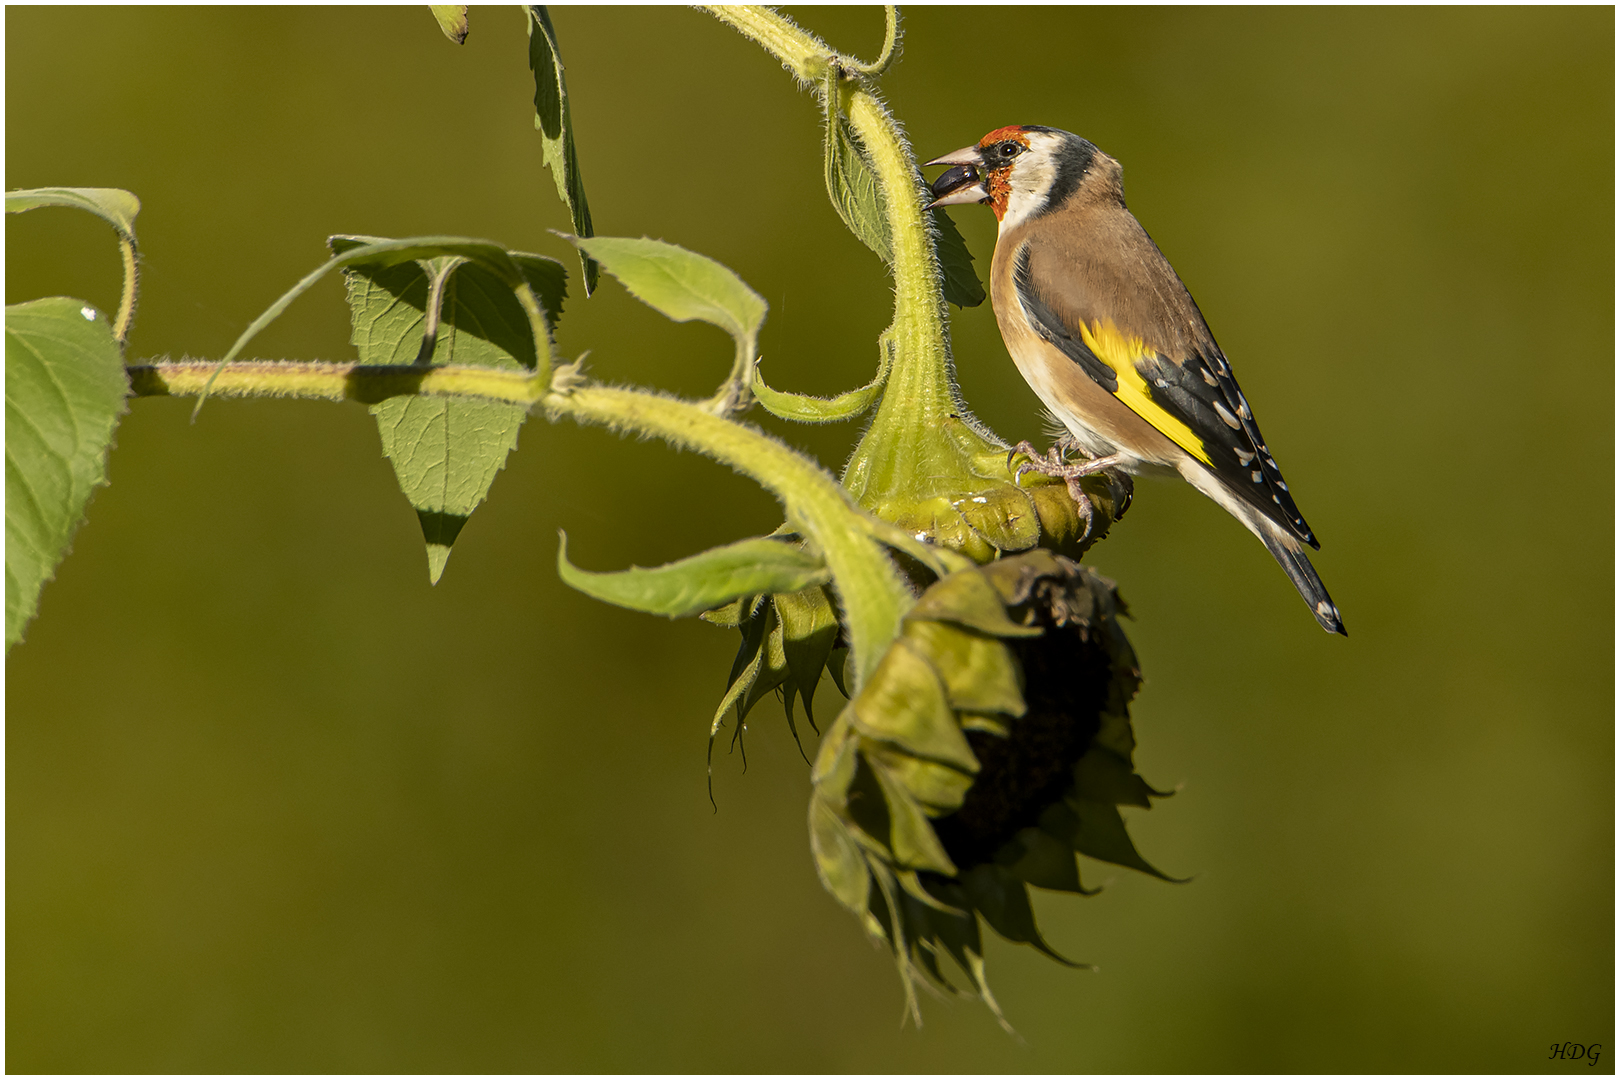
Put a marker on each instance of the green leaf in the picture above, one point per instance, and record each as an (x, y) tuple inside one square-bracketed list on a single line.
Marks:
[(548, 281), (962, 286), (380, 254), (446, 451), (377, 251), (65, 390), (680, 284), (852, 185), (483, 320), (701, 582), (115, 206), (554, 120), (452, 20)]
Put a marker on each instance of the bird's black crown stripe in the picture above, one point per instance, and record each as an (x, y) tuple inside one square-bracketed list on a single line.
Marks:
[(1073, 161)]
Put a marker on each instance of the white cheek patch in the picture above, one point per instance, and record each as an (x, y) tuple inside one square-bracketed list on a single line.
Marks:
[(1032, 177)]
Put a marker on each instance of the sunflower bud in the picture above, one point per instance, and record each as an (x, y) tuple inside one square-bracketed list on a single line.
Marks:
[(955, 485), (990, 745)]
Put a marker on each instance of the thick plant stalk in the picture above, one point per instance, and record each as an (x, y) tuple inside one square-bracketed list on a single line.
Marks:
[(921, 384), (870, 589), (924, 462)]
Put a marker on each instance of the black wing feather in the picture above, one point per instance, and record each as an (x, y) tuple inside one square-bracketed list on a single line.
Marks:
[(1197, 389)]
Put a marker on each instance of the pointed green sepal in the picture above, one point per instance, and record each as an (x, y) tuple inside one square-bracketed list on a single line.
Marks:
[(911, 838), (937, 788), (1044, 861), (1001, 898), (1096, 829), (809, 626), (1102, 777)]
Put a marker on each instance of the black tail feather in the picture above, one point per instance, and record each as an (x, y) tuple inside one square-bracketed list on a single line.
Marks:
[(1303, 575)]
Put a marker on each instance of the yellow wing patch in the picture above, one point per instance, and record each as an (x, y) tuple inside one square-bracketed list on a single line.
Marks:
[(1120, 352)]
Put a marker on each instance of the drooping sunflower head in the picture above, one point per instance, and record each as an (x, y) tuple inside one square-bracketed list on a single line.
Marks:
[(990, 745)]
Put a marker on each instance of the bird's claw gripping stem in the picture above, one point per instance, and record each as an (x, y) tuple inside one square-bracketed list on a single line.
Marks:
[(1052, 463)]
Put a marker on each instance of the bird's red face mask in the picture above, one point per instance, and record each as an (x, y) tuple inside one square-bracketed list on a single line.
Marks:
[(979, 173)]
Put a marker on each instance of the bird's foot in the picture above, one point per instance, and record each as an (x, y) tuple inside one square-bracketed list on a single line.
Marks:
[(1053, 463)]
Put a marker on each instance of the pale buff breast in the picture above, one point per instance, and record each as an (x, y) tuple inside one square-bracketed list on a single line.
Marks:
[(1099, 422)]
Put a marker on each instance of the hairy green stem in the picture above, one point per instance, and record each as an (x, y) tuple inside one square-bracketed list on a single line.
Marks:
[(921, 393), (736, 394), (366, 383), (389, 252), (439, 271), (874, 596), (132, 282), (919, 302), (804, 54), (891, 43), (872, 593)]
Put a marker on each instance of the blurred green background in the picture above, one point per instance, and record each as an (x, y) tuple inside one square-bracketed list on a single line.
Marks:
[(275, 804)]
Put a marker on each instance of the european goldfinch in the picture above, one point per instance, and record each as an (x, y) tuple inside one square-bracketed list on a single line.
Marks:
[(1110, 340)]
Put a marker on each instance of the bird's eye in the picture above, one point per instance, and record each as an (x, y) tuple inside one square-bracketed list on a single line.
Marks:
[(1010, 149)]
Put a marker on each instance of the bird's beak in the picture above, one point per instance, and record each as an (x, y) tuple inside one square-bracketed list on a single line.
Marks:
[(968, 155), (961, 183)]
